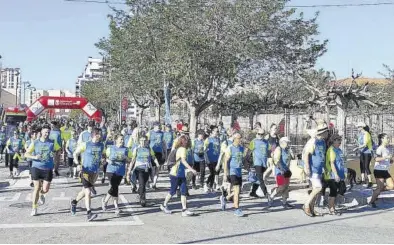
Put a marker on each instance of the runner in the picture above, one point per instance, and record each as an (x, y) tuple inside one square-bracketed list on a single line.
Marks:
[(384, 160), (108, 142), (282, 157), (199, 159), (233, 161), (141, 165), (314, 157), (66, 135), (118, 156), (273, 140), (334, 172), (260, 150), (169, 137), (3, 141), (14, 146), (32, 138), (178, 176), (71, 146), (55, 136), (159, 147), (365, 148), (212, 151), (41, 151), (91, 152), (85, 137)]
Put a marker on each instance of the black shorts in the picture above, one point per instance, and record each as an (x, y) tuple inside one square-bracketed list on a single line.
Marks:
[(381, 174), (160, 159), (70, 162), (88, 179), (235, 180), (40, 174)]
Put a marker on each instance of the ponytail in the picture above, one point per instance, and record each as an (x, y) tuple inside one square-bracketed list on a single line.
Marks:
[(380, 138)]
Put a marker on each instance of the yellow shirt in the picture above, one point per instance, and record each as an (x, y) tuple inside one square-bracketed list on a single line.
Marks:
[(179, 169)]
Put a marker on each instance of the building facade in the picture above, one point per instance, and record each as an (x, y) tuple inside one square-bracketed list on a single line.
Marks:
[(93, 71), (10, 80)]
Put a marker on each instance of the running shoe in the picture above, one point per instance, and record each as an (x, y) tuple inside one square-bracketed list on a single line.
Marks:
[(206, 189), (91, 216), (103, 204), (194, 187), (57, 173), (134, 189), (33, 212), (118, 211), (370, 185), (251, 194), (269, 199), (73, 208), (223, 202), (238, 212), (102, 180), (166, 210), (42, 199), (93, 190), (286, 205), (187, 213), (373, 205)]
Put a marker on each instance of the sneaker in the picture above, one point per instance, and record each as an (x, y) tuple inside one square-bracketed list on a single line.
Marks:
[(143, 202), (206, 189), (223, 202), (370, 185), (187, 213), (33, 212), (134, 189), (251, 194), (75, 177), (57, 173), (91, 216), (118, 212), (373, 205), (16, 173), (194, 187), (287, 205), (102, 180), (42, 199), (32, 184), (103, 205), (269, 199), (73, 208), (166, 210), (93, 191), (11, 175), (238, 212), (153, 186)]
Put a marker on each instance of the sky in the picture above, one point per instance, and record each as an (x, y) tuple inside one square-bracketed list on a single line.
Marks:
[(50, 40)]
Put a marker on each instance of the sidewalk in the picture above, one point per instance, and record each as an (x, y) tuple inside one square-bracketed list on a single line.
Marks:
[(5, 180)]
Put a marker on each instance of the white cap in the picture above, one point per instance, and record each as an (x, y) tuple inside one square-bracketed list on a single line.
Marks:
[(284, 139), (361, 125)]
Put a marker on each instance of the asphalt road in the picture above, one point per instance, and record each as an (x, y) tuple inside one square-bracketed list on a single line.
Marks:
[(54, 224)]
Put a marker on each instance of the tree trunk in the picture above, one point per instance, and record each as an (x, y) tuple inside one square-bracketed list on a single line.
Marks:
[(140, 116), (341, 124), (157, 113), (193, 121), (251, 117)]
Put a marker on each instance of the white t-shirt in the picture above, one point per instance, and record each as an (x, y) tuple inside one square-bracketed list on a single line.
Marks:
[(385, 164)]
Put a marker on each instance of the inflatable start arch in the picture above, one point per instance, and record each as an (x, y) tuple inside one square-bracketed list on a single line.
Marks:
[(50, 102)]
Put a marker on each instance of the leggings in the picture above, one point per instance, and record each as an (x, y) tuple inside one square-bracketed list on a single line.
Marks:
[(260, 176), (365, 160), (114, 181), (212, 173), (143, 177), (199, 167), (13, 162)]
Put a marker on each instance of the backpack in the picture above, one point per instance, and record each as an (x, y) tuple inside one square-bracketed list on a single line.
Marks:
[(171, 159)]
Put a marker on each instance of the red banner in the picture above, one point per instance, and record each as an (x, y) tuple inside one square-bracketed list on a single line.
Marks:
[(51, 102)]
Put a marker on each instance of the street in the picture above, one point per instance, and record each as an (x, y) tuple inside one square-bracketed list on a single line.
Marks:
[(54, 224)]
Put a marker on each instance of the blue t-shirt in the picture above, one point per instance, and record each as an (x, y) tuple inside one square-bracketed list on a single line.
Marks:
[(156, 141), (91, 157), (198, 150), (236, 160), (213, 149), (117, 160), (55, 135), (72, 146), (45, 149)]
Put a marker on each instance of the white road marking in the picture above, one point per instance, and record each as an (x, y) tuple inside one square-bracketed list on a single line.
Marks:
[(135, 222), (77, 224), (62, 197), (129, 209), (28, 197), (11, 199)]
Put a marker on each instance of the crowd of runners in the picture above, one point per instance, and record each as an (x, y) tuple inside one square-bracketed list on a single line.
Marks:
[(215, 160)]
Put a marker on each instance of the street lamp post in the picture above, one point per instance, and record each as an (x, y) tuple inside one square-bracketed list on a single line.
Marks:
[(26, 86)]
